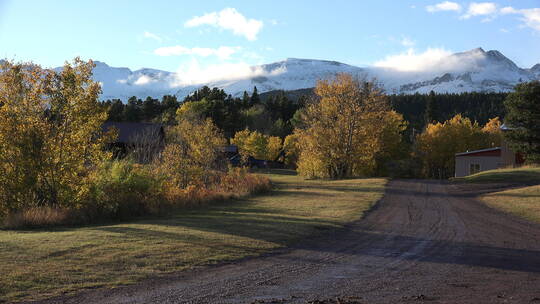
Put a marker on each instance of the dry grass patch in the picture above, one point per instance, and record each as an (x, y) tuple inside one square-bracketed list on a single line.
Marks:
[(525, 175), (41, 263), (522, 202)]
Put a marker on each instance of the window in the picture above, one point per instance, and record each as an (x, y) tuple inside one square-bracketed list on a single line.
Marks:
[(474, 168)]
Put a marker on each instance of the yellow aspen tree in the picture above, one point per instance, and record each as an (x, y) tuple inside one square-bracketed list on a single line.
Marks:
[(256, 144), (343, 128), (50, 134), (191, 152), (439, 143), (273, 148), (493, 131)]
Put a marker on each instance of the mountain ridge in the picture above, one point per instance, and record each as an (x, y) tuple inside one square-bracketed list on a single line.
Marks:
[(475, 70)]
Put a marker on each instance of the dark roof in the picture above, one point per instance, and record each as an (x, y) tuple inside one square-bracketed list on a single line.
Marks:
[(229, 149), (484, 151), (127, 131)]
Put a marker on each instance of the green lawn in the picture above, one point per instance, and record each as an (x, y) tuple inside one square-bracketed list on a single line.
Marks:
[(526, 175), (41, 263)]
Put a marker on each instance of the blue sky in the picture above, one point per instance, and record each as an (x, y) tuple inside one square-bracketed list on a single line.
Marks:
[(192, 36)]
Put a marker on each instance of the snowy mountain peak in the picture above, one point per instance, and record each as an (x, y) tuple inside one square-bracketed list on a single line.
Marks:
[(497, 56), (476, 50), (473, 70)]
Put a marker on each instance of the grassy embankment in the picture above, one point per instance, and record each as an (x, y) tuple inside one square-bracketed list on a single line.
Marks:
[(523, 201), (41, 263), (524, 175)]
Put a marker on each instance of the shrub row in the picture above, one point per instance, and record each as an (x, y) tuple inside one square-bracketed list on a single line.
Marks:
[(122, 189)]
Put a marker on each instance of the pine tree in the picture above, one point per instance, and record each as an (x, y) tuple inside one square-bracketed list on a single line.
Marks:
[(115, 111), (132, 111), (150, 108), (523, 117), (245, 99), (255, 96), (430, 114)]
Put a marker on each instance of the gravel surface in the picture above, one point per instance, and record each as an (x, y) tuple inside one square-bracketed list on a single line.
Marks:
[(426, 241)]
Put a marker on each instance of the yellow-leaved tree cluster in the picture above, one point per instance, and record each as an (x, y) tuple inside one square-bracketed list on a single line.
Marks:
[(191, 153), (437, 145), (50, 133), (346, 127), (257, 145), (56, 165)]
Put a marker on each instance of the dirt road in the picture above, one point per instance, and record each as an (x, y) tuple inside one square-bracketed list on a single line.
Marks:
[(425, 242)]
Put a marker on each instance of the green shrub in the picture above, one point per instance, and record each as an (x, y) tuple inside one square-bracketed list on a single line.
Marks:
[(121, 188)]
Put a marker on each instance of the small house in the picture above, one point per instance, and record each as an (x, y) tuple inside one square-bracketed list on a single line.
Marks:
[(143, 140), (472, 162)]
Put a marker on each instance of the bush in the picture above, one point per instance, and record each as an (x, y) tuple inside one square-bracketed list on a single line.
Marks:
[(240, 183), (39, 217), (121, 189), (235, 183)]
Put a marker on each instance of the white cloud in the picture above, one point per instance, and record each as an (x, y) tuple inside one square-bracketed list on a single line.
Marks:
[(480, 9), (194, 73), (407, 42), (443, 6), (143, 80), (530, 17), (223, 52), (412, 61), (229, 19), (150, 35), (508, 10), (432, 61)]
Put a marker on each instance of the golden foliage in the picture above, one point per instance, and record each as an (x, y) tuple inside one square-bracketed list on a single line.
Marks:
[(344, 128), (493, 131), (191, 152), (192, 110), (50, 134), (439, 143), (257, 145), (291, 148)]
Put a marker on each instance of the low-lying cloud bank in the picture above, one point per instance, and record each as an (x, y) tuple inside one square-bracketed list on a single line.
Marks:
[(194, 73)]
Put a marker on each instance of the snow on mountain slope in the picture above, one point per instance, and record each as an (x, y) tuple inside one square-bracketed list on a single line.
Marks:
[(123, 83), (474, 70), (536, 70), (289, 74)]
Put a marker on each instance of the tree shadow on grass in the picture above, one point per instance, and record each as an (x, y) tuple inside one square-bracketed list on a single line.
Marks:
[(392, 247), (242, 219)]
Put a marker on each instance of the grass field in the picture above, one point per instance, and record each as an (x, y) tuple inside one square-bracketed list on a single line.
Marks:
[(525, 175), (42, 263), (523, 202)]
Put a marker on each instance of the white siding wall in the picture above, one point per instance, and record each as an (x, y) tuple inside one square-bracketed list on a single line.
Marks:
[(463, 163), (508, 156)]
